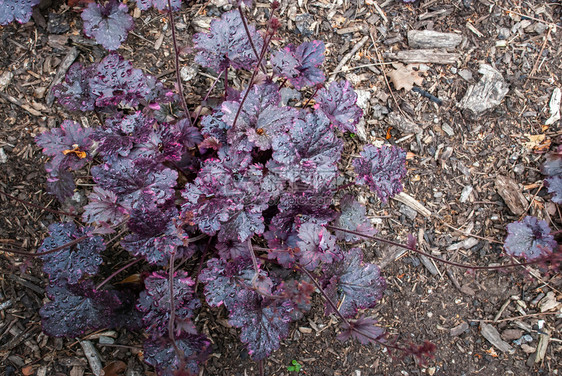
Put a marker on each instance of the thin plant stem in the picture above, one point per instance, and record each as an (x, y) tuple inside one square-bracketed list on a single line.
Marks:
[(247, 29), (254, 262), (177, 61), (117, 272), (312, 96), (201, 261), (413, 249), (225, 83), (251, 82), (37, 206), (342, 317)]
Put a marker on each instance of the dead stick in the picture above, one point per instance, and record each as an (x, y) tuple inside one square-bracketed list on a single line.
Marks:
[(61, 72), (13, 100), (348, 56)]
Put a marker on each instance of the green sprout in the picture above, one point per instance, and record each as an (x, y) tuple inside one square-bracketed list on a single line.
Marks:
[(352, 135), (296, 367)]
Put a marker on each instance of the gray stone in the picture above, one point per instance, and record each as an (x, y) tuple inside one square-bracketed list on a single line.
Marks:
[(465, 74), (486, 94), (408, 212)]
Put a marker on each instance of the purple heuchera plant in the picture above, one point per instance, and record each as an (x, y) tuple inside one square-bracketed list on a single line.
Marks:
[(250, 187), (338, 103), (108, 24), (227, 44), (381, 169), (530, 239), (300, 65), (19, 10)]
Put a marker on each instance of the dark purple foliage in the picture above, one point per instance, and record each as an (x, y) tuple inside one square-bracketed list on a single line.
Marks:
[(352, 217), (261, 118), (554, 185), (158, 4), (72, 263), (227, 44), (156, 231), (111, 82), (161, 354), (226, 198), (264, 322), (76, 309), (108, 24), (69, 145), (19, 10), (300, 65), (103, 207), (117, 82), (364, 330), (74, 93), (355, 285), (381, 169), (60, 182), (154, 303), (308, 153), (120, 133), (338, 103), (232, 249), (128, 179), (316, 246), (530, 239)]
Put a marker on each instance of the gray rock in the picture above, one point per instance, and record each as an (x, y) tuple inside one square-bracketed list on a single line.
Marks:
[(408, 212), (465, 74)]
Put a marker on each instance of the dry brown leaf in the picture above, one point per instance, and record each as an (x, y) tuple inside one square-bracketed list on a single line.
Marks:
[(115, 368), (404, 77)]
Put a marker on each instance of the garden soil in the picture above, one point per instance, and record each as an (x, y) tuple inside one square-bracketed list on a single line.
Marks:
[(469, 175)]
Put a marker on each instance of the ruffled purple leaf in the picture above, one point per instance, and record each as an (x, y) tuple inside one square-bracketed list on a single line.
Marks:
[(158, 4), (553, 164), (381, 169), (121, 133), (154, 303), (162, 355), (227, 44), (74, 93), (338, 103), (69, 145), (188, 136), (128, 179), (260, 119), (308, 153), (163, 144), (226, 197), (554, 185), (117, 82), (316, 246), (355, 285), (352, 217), (156, 235), (108, 24), (364, 330), (76, 309), (60, 182), (103, 207), (225, 280), (19, 10), (300, 65), (74, 262), (263, 322), (530, 239), (231, 250)]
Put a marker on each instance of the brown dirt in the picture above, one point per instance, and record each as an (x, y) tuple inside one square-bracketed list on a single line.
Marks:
[(449, 155)]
